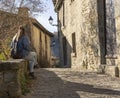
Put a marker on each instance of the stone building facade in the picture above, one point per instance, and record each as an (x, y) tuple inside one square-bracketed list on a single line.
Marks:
[(89, 32), (39, 36)]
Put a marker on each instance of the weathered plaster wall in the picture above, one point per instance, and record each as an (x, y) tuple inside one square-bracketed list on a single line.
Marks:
[(41, 42), (36, 40)]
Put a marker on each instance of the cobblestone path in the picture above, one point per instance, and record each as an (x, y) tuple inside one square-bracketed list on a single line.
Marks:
[(67, 83)]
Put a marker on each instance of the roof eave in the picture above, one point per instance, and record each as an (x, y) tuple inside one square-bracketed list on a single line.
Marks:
[(36, 23)]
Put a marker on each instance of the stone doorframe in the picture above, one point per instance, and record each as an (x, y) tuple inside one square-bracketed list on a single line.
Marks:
[(107, 31)]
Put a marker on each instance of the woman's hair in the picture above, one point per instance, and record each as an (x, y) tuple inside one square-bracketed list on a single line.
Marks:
[(20, 33)]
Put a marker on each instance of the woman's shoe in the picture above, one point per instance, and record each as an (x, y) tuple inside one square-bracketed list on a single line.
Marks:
[(32, 76), (36, 66)]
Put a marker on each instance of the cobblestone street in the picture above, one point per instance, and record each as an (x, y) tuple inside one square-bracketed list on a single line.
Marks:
[(67, 83)]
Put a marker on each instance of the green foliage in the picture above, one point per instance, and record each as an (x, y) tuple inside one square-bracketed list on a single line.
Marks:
[(5, 49), (2, 56), (24, 84)]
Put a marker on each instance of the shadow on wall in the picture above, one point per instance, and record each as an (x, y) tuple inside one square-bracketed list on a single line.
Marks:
[(59, 88), (44, 63), (65, 49)]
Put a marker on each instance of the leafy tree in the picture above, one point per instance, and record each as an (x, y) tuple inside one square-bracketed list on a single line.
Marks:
[(35, 6)]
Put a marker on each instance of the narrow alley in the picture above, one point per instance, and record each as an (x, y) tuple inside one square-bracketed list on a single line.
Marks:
[(67, 83)]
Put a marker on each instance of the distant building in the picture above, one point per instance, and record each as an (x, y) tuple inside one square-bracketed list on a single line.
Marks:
[(55, 49), (89, 33), (39, 36), (55, 45)]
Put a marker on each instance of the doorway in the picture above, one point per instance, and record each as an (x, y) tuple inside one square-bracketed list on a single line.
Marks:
[(65, 50), (101, 8)]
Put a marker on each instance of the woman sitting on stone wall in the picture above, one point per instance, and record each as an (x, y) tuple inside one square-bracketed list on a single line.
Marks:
[(21, 46)]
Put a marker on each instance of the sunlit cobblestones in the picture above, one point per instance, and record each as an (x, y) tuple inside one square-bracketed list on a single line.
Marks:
[(67, 83)]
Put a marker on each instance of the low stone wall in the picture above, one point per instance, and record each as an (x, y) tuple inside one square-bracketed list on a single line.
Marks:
[(11, 72)]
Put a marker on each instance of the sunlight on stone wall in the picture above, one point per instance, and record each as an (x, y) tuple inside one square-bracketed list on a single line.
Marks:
[(117, 17), (89, 39)]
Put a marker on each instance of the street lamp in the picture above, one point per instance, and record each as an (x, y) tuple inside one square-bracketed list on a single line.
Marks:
[(51, 21), (58, 30)]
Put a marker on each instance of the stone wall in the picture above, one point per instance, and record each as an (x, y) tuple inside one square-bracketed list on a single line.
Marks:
[(11, 73), (80, 17), (112, 66), (95, 27), (89, 49), (117, 20), (96, 24)]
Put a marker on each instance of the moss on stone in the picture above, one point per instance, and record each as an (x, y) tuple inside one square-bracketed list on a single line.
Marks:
[(24, 84)]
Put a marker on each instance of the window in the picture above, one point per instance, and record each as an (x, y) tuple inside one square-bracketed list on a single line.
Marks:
[(64, 50), (40, 37), (101, 8), (74, 42)]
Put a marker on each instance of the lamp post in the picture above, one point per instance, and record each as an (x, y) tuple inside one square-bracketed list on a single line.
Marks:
[(57, 25), (51, 21)]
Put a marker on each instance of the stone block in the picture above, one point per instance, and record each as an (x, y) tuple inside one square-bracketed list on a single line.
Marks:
[(14, 89), (10, 76), (13, 64), (101, 68), (112, 70), (4, 95), (10, 73), (3, 90)]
